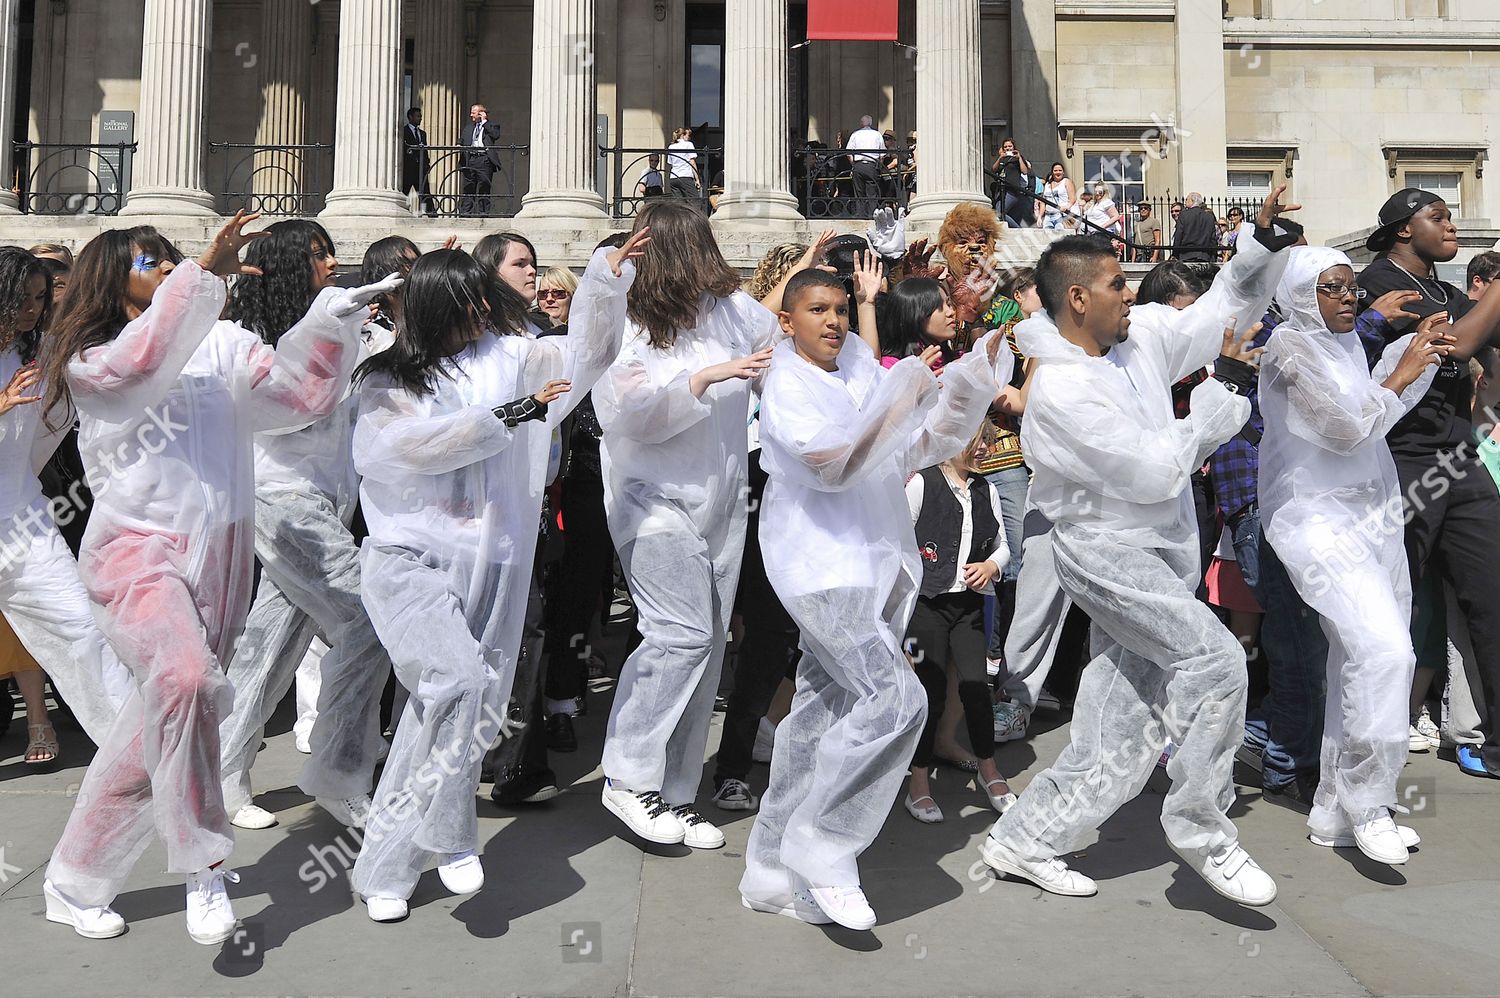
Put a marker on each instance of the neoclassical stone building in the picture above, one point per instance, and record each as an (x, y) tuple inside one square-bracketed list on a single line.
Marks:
[(296, 106)]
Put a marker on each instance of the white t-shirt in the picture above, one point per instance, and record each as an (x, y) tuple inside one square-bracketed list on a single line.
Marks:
[(1098, 213), (916, 489), (682, 163), (866, 138)]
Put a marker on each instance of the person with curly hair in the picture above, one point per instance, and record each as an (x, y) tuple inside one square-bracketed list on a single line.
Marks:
[(773, 268), (305, 491)]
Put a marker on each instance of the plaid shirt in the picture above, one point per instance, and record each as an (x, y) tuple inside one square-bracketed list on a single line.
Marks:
[(1236, 464)]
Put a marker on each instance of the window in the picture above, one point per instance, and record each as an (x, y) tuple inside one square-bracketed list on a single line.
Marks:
[(1124, 171), (1249, 185), (1446, 185)]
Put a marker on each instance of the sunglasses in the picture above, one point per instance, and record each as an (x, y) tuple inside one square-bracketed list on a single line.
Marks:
[(547, 294)]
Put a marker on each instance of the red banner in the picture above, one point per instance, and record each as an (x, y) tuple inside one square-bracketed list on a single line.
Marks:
[(852, 20)]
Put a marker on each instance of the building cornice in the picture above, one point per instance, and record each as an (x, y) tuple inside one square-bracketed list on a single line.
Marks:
[(1360, 34)]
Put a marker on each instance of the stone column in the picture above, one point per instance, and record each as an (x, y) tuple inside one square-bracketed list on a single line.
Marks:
[(563, 150), (174, 60), (367, 129), (285, 56), (950, 169), (757, 171), (1033, 81), (438, 79), (1202, 131), (8, 203)]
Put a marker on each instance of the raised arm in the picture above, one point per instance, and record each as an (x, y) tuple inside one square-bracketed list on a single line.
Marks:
[(119, 380), (1336, 414), (394, 438), (307, 374), (969, 385)]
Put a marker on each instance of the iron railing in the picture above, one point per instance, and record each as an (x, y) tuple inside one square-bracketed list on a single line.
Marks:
[(72, 178), (827, 185), (1123, 234), (634, 180), (270, 179), (455, 182)]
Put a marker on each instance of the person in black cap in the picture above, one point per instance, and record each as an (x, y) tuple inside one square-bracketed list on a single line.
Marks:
[(1452, 505)]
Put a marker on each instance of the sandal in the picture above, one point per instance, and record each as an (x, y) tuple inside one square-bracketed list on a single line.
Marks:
[(43, 742), (1000, 802)]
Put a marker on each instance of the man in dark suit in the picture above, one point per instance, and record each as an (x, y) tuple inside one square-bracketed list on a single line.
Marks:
[(481, 159), (1196, 237), (415, 163)]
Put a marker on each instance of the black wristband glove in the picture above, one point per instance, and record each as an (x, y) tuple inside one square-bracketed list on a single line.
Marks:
[(519, 411), (1235, 375), (1276, 241)]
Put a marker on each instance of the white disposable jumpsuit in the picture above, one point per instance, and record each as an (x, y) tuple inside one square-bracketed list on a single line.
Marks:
[(1112, 470), (167, 411), (40, 593), (676, 481), (1330, 504), (453, 498), (836, 535), (305, 493)]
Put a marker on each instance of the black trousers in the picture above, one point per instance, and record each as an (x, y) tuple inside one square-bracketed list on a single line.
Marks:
[(478, 174), (525, 752), (945, 630), (1453, 527), (866, 188), (579, 586)]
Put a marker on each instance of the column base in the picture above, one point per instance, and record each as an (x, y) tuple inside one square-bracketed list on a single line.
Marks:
[(758, 205), (562, 205), (930, 209), (179, 201), (365, 201)]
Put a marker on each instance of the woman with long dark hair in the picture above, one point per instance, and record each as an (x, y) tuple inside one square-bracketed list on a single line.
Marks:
[(168, 398), (674, 408), (391, 255), (305, 490), (39, 588), (917, 320), (453, 438)]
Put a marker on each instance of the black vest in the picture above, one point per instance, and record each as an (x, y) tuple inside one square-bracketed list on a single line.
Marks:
[(941, 521)]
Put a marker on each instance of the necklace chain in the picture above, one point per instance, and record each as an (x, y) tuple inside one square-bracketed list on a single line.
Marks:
[(1418, 282)]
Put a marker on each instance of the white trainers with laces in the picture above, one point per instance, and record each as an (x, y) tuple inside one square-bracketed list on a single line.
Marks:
[(89, 921), (1230, 871), (462, 873), (645, 813), (845, 905), (697, 831), (735, 795), (1428, 729), (210, 917), (252, 816), (799, 905), (351, 812), (1010, 721), (1416, 741), (1376, 835), (1343, 837), (1051, 875)]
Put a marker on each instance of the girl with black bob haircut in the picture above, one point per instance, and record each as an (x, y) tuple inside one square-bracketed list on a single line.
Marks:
[(305, 491), (918, 319), (391, 255), (453, 438)]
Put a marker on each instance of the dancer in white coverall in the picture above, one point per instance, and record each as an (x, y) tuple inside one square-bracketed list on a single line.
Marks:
[(1330, 503), (1112, 467), (839, 436)]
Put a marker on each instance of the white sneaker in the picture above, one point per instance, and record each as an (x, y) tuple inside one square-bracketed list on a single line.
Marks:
[(1416, 741), (1010, 721), (1427, 729), (351, 812), (1051, 875), (765, 741), (992, 667), (91, 922), (799, 905), (382, 909), (1343, 838), (1230, 871), (210, 917), (1376, 835), (927, 814), (251, 816), (1047, 700), (697, 831), (845, 905), (462, 873), (303, 741), (645, 813), (735, 795)]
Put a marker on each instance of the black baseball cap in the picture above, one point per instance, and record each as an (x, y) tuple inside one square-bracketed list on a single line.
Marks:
[(1399, 207)]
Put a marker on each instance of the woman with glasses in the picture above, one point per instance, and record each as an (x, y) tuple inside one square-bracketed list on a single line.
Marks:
[(554, 295), (1234, 218), (1330, 503)]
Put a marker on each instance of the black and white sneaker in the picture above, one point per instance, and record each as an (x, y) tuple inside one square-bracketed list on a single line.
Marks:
[(735, 795), (646, 814), (698, 831)]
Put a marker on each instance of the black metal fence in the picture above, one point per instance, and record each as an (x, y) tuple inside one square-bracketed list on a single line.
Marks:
[(69, 178), (837, 183), (463, 183), (1134, 244), (640, 174), (270, 179)]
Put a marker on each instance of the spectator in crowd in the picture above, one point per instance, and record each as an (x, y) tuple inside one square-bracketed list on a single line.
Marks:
[(416, 164), (1195, 234), (1013, 171), (866, 147), (1060, 194), (554, 295), (1481, 273), (1147, 235), (682, 163), (52, 251), (1102, 214), (1233, 219), (481, 158), (58, 272), (651, 184)]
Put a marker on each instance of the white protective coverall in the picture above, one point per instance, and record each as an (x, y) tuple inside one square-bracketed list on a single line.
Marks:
[(40, 593), (453, 499), (676, 482), (836, 535), (1112, 469), (1330, 504), (305, 493), (167, 413)]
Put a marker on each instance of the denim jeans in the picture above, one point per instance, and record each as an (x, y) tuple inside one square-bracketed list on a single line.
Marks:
[(1287, 727), (1011, 485)]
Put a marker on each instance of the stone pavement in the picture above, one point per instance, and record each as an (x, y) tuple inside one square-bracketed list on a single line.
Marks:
[(574, 906)]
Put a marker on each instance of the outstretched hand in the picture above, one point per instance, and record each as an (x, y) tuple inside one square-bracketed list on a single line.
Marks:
[(222, 258), (633, 249), (18, 392), (887, 233), (869, 272), (352, 300), (1272, 208), (1241, 347)]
